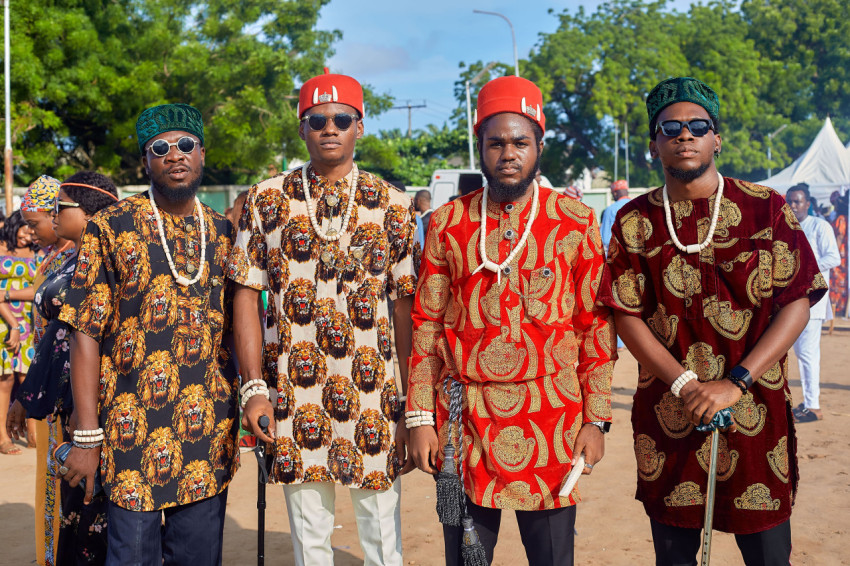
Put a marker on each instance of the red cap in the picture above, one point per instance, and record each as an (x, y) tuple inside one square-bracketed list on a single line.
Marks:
[(330, 88), (510, 94)]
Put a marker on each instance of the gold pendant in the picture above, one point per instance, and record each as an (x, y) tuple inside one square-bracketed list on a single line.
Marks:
[(331, 233), (327, 256), (332, 200), (358, 254), (190, 268)]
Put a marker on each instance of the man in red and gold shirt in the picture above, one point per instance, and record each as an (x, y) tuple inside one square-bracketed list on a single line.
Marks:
[(512, 360), (710, 279)]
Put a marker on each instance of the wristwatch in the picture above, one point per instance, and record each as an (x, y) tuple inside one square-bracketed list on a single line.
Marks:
[(604, 426), (741, 377)]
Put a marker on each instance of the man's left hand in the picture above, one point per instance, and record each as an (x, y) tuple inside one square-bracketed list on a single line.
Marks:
[(402, 441), (703, 401), (591, 441)]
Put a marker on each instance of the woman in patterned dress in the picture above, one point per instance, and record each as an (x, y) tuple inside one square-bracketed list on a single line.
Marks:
[(838, 275), (18, 263)]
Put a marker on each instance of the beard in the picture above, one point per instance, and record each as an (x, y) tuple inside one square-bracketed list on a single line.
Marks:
[(507, 192), (179, 192), (689, 175)]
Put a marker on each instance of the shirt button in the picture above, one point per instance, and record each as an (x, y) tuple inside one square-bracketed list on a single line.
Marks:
[(190, 226), (507, 270), (509, 234), (509, 208)]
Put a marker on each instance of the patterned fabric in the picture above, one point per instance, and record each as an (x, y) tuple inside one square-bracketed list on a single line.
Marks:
[(54, 259), (168, 385), (838, 276), (328, 348), (47, 387), (17, 273), (168, 118), (534, 352), (709, 310), (40, 195), (681, 89)]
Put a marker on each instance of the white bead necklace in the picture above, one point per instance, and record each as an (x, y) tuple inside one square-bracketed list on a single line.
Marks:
[(331, 235), (201, 260), (694, 248), (482, 246)]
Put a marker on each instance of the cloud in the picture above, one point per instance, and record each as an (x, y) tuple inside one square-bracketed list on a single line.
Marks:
[(367, 61)]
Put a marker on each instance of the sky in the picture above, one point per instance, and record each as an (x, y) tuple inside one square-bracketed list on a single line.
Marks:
[(411, 49)]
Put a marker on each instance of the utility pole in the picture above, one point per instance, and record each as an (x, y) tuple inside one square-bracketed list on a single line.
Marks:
[(410, 108), (8, 153), (513, 35)]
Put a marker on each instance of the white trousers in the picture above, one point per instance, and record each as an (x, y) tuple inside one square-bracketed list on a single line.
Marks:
[(311, 521), (807, 350)]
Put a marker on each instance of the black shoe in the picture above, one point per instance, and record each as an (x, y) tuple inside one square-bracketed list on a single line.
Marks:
[(806, 416)]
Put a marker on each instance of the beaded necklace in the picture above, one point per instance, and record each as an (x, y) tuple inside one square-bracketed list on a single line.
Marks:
[(694, 248), (201, 260), (331, 235), (482, 247)]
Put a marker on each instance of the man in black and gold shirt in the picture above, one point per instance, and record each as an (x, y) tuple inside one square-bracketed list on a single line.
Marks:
[(154, 387)]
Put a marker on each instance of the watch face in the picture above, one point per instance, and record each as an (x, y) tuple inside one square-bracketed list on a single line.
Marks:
[(739, 372)]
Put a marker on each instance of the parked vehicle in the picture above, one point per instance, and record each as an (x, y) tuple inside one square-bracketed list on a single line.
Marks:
[(446, 183)]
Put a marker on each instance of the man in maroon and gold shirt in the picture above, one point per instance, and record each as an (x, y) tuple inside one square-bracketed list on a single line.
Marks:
[(505, 323)]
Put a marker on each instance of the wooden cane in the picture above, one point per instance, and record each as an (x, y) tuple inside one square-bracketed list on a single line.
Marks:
[(709, 499)]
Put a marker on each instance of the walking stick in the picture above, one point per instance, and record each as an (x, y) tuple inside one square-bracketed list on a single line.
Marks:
[(263, 478), (723, 419)]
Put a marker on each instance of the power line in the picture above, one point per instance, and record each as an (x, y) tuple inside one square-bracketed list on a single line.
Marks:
[(410, 108)]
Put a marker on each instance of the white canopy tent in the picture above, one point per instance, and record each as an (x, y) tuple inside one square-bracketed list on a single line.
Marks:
[(825, 166)]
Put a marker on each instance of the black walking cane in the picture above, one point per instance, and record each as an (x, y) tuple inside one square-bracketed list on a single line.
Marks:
[(263, 479), (722, 419)]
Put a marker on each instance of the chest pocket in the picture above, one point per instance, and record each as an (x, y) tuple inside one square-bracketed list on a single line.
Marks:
[(744, 273), (544, 289)]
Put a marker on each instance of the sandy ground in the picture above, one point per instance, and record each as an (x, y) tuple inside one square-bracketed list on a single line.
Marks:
[(612, 527)]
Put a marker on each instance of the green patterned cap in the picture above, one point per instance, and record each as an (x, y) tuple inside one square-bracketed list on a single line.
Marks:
[(682, 89), (168, 118)]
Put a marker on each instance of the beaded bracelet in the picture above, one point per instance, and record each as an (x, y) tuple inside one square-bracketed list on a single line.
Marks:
[(91, 440), (252, 383), (681, 381), (419, 414), (254, 391), (93, 432)]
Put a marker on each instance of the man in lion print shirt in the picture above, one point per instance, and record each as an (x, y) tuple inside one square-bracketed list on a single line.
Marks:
[(330, 243)]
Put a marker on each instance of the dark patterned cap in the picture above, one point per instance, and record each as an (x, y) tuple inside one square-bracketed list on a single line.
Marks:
[(168, 118), (682, 89)]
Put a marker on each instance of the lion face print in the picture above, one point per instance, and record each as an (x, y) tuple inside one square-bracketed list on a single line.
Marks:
[(197, 481), (159, 380), (363, 304), (345, 463), (372, 433), (384, 343), (159, 307), (298, 301), (126, 423), (307, 366), (162, 457), (132, 492), (312, 427), (299, 243), (367, 369), (273, 210), (285, 400), (338, 338), (288, 466), (340, 398), (193, 416)]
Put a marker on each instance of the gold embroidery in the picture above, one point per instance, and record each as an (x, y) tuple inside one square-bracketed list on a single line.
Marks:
[(644, 377), (726, 459), (778, 459), (684, 495), (650, 462), (742, 257), (570, 435), (757, 498), (760, 281), (566, 381), (534, 394), (548, 500), (749, 417), (702, 361), (730, 323), (542, 446), (785, 263), (558, 441), (505, 399), (682, 279), (752, 189), (671, 416), (790, 218), (682, 209), (628, 290), (637, 229), (774, 378), (434, 294), (517, 495), (512, 450), (491, 304), (664, 327)]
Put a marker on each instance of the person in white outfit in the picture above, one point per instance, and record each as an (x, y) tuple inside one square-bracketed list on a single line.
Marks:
[(807, 347)]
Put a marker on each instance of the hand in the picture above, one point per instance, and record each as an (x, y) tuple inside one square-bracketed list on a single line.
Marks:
[(16, 421), (424, 446), (402, 442), (13, 342), (703, 399), (591, 441), (82, 463), (255, 407)]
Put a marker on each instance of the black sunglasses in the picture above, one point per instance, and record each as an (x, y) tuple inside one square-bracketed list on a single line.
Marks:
[(160, 147), (59, 204), (317, 122), (698, 127)]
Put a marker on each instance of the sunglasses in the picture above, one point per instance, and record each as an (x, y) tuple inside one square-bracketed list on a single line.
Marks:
[(317, 122), (698, 127), (58, 204), (160, 147)]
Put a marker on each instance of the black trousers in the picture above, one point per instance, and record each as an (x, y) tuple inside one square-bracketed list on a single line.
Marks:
[(548, 536), (676, 546)]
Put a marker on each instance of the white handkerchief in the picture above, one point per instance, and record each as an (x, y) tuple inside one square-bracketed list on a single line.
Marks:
[(572, 479)]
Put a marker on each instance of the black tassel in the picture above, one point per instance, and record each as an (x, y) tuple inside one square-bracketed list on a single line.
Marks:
[(471, 549), (449, 490)]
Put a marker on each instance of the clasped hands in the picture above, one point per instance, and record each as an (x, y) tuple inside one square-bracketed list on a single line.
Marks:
[(702, 399)]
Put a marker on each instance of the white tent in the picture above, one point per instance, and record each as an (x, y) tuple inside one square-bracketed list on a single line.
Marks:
[(825, 166)]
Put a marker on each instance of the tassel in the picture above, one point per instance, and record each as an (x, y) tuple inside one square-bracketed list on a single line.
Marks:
[(450, 497), (471, 549)]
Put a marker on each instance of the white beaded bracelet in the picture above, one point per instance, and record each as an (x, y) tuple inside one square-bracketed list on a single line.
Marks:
[(252, 383), (419, 414), (254, 391), (88, 439), (93, 432), (681, 381), (413, 422)]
